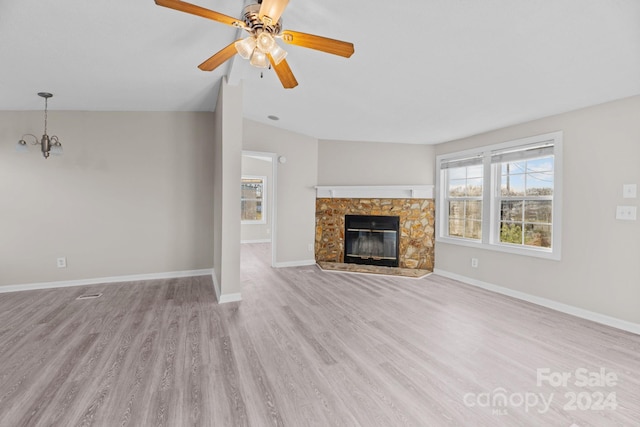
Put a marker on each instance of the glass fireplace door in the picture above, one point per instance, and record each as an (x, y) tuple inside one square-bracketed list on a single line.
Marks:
[(371, 240)]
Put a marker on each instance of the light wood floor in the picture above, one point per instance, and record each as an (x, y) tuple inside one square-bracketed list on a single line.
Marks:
[(304, 348)]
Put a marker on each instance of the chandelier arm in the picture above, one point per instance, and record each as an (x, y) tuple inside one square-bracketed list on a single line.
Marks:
[(36, 141)]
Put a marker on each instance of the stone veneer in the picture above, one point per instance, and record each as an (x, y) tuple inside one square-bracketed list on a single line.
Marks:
[(417, 219)]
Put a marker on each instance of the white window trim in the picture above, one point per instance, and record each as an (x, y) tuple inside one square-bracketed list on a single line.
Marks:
[(490, 213), (264, 200)]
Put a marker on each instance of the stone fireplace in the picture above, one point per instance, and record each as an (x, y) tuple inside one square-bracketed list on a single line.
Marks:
[(413, 206)]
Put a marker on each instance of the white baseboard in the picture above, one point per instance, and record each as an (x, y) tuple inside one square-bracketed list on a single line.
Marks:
[(225, 298), (222, 299), (106, 280), (302, 263), (216, 285), (256, 241), (554, 305)]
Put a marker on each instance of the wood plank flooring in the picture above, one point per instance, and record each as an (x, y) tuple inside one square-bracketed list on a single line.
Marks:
[(307, 348)]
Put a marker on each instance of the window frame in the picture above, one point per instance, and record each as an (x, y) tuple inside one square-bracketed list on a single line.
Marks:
[(466, 198), (491, 198), (263, 200)]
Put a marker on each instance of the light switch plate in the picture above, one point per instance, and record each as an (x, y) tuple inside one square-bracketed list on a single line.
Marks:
[(629, 191)]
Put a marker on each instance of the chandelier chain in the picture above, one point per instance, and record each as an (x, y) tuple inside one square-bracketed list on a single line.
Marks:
[(46, 102)]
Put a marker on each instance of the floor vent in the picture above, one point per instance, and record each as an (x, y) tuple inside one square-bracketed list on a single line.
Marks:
[(90, 296)]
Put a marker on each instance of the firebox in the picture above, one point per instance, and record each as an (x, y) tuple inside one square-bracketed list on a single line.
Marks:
[(371, 239)]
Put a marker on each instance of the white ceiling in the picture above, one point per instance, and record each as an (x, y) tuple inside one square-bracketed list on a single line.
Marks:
[(424, 71)]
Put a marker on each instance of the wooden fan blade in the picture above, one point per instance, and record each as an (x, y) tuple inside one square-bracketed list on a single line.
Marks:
[(216, 60), (200, 11), (324, 44), (284, 73), (271, 10)]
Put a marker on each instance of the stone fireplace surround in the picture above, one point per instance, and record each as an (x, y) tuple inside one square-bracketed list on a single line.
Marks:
[(414, 205)]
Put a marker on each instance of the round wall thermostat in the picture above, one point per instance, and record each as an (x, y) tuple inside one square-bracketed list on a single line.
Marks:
[(282, 159)]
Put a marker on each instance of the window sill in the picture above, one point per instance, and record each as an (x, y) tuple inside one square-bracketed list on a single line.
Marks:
[(515, 250)]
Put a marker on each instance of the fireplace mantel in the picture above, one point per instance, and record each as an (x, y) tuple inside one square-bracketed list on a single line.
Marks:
[(374, 191)]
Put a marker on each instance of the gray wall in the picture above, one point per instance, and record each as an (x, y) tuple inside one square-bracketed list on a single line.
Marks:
[(295, 193), (132, 194), (258, 232), (374, 163), (600, 266)]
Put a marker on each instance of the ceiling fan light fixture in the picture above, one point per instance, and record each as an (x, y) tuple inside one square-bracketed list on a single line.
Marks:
[(265, 42), (262, 20), (259, 59), (246, 46), (278, 54)]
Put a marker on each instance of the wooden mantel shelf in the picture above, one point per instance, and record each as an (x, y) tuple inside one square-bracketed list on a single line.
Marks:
[(374, 191)]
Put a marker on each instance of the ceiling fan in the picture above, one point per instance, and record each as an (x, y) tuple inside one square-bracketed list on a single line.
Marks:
[(262, 22)]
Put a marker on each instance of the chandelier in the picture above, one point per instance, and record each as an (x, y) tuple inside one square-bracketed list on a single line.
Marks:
[(48, 144)]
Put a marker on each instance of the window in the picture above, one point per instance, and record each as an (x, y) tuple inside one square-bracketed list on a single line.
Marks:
[(504, 197), (464, 198), (525, 197), (253, 200)]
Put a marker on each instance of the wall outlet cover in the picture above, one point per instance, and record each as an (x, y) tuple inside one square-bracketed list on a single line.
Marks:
[(626, 213)]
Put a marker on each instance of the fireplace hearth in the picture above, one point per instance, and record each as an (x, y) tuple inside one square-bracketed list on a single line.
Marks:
[(372, 240)]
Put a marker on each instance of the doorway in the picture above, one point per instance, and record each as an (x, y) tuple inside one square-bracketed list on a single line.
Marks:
[(258, 200)]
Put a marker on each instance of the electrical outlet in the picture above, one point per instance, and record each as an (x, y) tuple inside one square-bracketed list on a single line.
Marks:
[(474, 262), (626, 213), (310, 247), (61, 262)]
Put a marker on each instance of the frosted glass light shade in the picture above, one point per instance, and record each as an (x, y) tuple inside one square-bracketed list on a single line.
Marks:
[(56, 149), (246, 46), (259, 59), (265, 42), (21, 146), (278, 54)]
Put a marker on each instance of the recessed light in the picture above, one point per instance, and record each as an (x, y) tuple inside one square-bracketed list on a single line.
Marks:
[(273, 117)]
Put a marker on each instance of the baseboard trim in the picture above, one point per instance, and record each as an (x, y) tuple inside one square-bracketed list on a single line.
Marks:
[(302, 263), (106, 280), (225, 298), (256, 241), (554, 305), (216, 285)]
